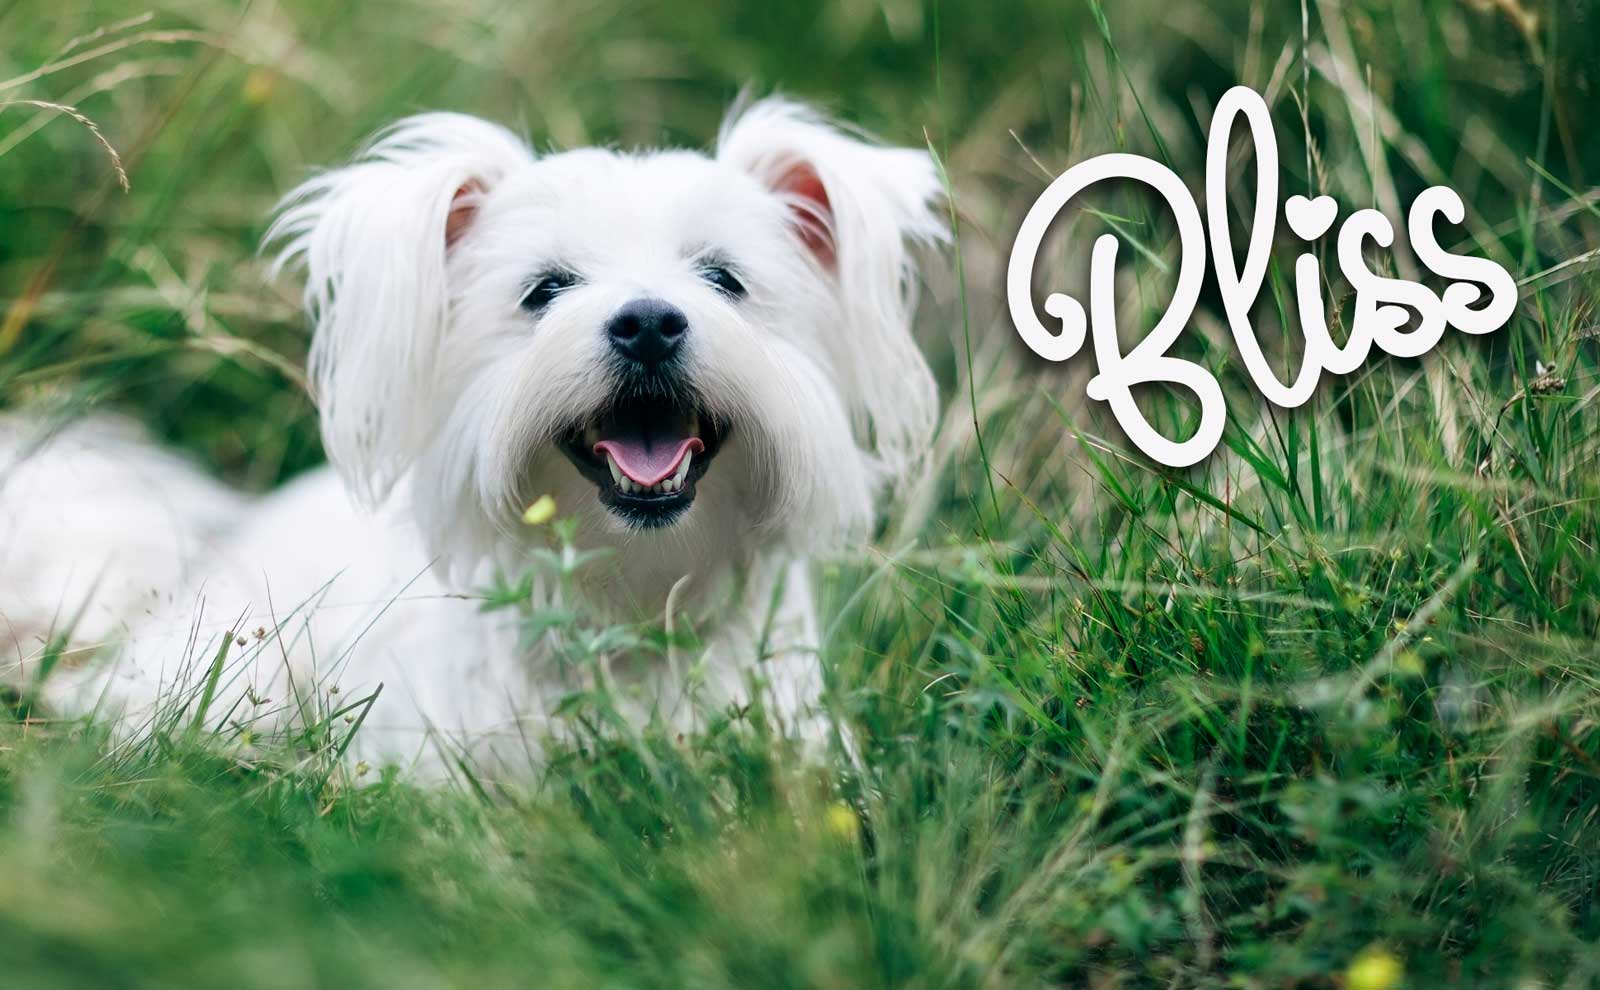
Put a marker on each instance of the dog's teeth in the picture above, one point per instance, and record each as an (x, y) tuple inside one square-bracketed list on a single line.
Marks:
[(666, 486), (591, 436), (694, 426)]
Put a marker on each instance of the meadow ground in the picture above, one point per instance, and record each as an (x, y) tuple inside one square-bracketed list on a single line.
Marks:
[(1321, 712)]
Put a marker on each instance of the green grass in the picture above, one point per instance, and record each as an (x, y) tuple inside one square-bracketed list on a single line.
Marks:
[(1333, 692)]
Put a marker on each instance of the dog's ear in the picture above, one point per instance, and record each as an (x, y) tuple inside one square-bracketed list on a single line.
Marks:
[(374, 239), (856, 209)]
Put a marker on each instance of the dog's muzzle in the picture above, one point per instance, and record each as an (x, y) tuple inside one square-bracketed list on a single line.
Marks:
[(645, 454)]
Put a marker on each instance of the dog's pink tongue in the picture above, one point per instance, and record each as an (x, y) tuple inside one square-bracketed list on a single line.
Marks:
[(646, 462)]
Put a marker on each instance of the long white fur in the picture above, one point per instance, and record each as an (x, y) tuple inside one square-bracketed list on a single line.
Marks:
[(441, 398), (370, 236), (99, 529)]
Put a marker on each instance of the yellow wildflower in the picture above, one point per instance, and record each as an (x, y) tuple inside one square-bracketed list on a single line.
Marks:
[(540, 512), (1375, 969), (842, 822)]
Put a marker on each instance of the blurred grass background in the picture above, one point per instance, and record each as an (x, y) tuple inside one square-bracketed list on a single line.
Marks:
[(1317, 713)]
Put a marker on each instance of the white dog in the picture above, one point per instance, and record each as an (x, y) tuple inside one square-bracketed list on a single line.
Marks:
[(706, 359)]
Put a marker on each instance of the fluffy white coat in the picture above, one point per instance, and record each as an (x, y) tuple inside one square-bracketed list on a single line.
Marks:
[(445, 400)]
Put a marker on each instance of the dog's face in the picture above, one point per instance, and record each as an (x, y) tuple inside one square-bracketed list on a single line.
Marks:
[(640, 314), (677, 346)]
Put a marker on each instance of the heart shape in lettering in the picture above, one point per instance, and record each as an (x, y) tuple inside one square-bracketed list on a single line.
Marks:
[(1310, 218)]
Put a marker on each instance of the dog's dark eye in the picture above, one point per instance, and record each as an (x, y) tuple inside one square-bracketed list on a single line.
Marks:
[(544, 291), (724, 280)]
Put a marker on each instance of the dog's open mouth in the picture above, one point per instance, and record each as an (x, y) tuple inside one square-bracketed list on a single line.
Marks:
[(645, 455)]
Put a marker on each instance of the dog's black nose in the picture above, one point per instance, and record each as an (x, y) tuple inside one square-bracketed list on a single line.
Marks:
[(647, 331)]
